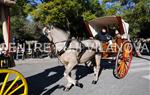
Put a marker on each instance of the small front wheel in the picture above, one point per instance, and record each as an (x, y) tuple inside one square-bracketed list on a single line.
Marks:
[(12, 83)]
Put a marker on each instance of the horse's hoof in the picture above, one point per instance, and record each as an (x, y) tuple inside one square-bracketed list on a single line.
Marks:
[(66, 89), (94, 82), (79, 84)]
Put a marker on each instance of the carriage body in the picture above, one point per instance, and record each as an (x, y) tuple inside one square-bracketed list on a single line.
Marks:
[(11, 81), (121, 48)]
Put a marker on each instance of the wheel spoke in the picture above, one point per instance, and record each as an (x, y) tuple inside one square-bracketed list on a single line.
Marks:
[(11, 85), (123, 60), (20, 89), (122, 69), (118, 68), (16, 89), (4, 84), (126, 65), (122, 66)]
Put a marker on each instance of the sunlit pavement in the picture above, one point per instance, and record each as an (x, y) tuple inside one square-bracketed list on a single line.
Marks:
[(45, 77)]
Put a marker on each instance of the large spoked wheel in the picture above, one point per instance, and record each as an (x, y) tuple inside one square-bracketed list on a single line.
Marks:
[(12, 83), (123, 60)]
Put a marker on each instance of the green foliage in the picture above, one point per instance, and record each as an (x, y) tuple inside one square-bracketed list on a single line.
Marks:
[(67, 14), (115, 9), (54, 12), (88, 16), (70, 14), (18, 8), (105, 1), (22, 29), (59, 11), (139, 18)]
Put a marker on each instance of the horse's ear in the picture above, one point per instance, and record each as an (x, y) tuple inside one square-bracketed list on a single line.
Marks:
[(52, 26), (48, 26)]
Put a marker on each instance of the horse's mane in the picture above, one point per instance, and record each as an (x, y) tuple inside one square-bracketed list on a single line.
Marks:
[(61, 32), (60, 28)]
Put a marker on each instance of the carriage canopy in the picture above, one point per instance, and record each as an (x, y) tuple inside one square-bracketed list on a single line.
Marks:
[(96, 24)]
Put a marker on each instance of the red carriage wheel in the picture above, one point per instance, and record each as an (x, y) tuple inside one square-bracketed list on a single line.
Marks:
[(123, 60)]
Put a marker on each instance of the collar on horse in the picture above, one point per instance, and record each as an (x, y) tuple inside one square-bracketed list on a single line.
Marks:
[(67, 44), (65, 47)]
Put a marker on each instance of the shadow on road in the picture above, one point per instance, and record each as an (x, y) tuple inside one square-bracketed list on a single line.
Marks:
[(81, 71), (37, 83), (144, 58), (108, 64)]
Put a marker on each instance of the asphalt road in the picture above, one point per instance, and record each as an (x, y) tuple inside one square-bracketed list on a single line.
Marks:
[(45, 77)]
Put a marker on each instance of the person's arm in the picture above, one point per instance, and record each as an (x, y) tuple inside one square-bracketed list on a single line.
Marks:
[(109, 39)]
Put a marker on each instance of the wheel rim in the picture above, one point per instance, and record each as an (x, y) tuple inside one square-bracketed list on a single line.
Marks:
[(13, 83), (123, 62)]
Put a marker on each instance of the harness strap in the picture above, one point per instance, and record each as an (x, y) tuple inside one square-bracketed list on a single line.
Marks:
[(66, 46), (60, 52), (81, 52)]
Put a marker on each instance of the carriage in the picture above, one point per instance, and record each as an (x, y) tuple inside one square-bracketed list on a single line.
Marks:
[(121, 48), (11, 81)]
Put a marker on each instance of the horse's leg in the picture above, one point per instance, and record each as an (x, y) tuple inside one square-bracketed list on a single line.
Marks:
[(70, 80), (66, 75), (96, 68)]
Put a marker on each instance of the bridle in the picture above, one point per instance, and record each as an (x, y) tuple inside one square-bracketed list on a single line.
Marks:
[(67, 43), (46, 33)]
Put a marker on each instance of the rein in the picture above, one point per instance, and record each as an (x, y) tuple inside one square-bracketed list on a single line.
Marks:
[(67, 43)]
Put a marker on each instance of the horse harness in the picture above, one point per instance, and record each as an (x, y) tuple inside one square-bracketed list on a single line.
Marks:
[(67, 44), (66, 47)]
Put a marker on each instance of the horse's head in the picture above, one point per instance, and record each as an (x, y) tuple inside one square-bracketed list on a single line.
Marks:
[(55, 34), (47, 31)]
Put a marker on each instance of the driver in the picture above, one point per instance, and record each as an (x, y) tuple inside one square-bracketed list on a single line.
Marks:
[(104, 36)]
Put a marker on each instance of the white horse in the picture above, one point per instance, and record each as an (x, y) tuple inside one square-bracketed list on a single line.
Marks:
[(73, 54)]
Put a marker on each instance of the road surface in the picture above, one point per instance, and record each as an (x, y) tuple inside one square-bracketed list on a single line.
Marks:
[(45, 77)]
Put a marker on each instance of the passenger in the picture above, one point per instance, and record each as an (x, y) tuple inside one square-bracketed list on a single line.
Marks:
[(117, 34)]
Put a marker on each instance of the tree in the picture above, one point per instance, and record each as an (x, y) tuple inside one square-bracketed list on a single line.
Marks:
[(71, 14), (139, 18), (66, 14), (21, 28), (135, 12)]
